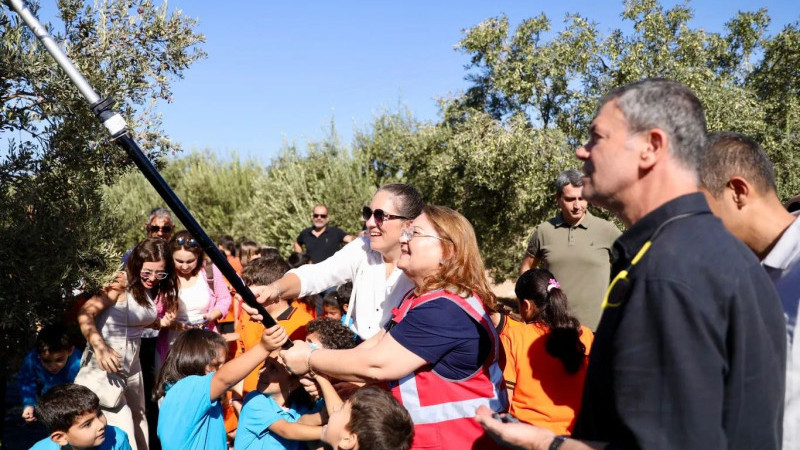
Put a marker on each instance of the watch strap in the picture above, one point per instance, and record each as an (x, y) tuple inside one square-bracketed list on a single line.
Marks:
[(557, 441)]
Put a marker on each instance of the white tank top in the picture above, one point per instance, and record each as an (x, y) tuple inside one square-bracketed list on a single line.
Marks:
[(125, 319), (194, 300)]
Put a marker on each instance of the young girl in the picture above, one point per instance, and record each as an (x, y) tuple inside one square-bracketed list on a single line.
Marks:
[(112, 324), (201, 302), (192, 380), (548, 355)]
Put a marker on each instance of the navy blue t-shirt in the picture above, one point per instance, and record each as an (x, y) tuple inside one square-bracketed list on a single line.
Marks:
[(445, 336)]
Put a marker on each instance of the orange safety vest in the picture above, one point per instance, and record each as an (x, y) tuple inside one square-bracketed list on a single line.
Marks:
[(443, 410)]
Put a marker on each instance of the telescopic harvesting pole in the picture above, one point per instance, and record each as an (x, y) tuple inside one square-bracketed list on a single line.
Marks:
[(118, 130)]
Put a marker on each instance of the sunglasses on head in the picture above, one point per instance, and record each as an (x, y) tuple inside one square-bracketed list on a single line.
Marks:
[(187, 242), (320, 216), (149, 274), (379, 215), (156, 228)]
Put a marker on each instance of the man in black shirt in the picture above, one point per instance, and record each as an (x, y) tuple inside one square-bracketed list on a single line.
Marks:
[(321, 241), (690, 350)]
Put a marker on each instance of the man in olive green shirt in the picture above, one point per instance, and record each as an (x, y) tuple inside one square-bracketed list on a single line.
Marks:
[(576, 247)]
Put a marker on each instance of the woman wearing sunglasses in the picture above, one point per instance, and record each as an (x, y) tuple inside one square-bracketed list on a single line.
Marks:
[(440, 353), (112, 324), (369, 261), (203, 296)]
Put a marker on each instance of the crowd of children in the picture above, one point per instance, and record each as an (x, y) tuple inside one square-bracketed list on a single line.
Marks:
[(223, 387)]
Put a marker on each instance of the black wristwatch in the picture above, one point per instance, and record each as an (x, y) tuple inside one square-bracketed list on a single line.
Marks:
[(557, 441)]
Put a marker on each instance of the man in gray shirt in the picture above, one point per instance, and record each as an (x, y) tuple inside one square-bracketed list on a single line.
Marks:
[(739, 183)]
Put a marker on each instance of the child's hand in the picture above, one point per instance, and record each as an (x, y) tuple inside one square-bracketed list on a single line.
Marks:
[(27, 414), (311, 387), (274, 337)]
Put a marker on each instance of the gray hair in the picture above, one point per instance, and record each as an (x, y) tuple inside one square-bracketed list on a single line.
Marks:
[(669, 106), (729, 154), (161, 213), (569, 176)]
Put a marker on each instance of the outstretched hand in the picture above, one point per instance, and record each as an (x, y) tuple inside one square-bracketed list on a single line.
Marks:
[(273, 337), (515, 435)]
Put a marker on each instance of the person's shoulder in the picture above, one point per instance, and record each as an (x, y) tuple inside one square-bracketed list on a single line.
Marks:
[(304, 232), (45, 444), (116, 439)]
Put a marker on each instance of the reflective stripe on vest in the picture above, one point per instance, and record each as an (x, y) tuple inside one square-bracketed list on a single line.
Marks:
[(457, 409)]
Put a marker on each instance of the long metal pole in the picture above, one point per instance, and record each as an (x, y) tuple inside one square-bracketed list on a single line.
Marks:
[(118, 129)]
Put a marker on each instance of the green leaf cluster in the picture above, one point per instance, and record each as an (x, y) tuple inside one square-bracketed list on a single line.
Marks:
[(56, 158)]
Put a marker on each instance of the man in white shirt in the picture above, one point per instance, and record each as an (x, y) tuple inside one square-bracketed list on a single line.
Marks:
[(739, 183)]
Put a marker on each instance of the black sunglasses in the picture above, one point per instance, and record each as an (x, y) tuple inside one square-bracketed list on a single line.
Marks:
[(321, 216), (188, 242), (379, 215), (156, 228)]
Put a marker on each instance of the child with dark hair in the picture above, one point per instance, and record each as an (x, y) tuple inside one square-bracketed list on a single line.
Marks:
[(53, 361), (548, 355), (329, 333), (269, 418), (311, 303), (336, 304), (193, 379), (72, 414), (371, 419)]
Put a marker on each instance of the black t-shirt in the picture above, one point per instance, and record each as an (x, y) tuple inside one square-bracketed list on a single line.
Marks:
[(323, 247), (691, 351)]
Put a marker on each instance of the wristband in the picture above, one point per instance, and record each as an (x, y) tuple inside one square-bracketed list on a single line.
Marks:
[(311, 372), (278, 292), (557, 441)]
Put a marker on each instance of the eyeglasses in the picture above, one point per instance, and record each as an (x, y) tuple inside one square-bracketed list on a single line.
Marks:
[(149, 274), (188, 242), (320, 216), (410, 233), (379, 215), (156, 228)]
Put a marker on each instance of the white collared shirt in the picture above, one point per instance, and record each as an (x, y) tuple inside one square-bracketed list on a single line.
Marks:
[(783, 266), (374, 295)]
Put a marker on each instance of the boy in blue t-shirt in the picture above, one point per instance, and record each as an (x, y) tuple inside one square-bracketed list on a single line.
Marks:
[(54, 361), (269, 417), (72, 414)]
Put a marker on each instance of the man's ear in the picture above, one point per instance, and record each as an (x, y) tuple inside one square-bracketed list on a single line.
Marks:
[(657, 142), (59, 437), (741, 191), (348, 441), (345, 307)]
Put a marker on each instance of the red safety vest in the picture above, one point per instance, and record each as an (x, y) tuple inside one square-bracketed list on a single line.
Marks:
[(443, 410)]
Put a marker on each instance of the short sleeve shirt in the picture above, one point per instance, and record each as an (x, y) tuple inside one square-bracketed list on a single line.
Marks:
[(188, 419), (259, 412), (322, 247), (116, 439), (580, 258), (455, 347)]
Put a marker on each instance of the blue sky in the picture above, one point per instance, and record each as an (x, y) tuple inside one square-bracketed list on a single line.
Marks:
[(281, 71)]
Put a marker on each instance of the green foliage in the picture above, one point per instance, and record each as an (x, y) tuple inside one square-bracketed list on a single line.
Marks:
[(214, 191), (496, 151), (270, 205), (52, 235), (293, 184)]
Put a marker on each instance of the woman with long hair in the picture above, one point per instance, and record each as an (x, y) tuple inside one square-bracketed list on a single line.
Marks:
[(439, 355), (369, 261), (112, 323), (548, 355), (203, 296)]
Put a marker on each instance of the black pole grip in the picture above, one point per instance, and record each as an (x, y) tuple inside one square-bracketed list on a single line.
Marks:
[(179, 209)]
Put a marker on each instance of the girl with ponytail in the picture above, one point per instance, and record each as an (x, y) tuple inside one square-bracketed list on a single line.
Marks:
[(546, 358)]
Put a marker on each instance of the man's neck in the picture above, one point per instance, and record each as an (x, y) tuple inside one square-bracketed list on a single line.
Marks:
[(653, 190), (319, 231), (767, 222)]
